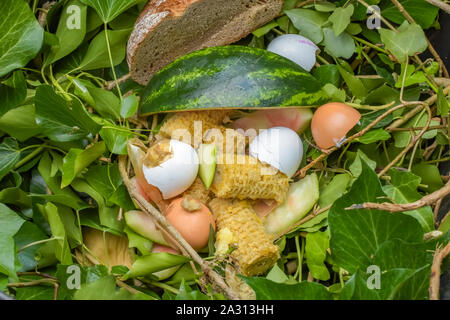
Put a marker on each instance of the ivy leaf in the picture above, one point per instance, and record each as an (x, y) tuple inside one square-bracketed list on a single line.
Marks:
[(308, 22), (316, 247), (106, 103), (269, 290), (354, 84), (77, 160), (28, 233), (411, 77), (97, 55), (443, 105), (20, 123), (403, 189), (357, 234), (356, 166), (116, 138), (374, 136), (341, 18), (187, 293), (22, 36), (408, 41), (129, 106), (108, 10), (327, 73), (422, 12), (9, 156), (11, 223), (70, 37), (62, 249), (13, 92), (58, 121), (338, 46)]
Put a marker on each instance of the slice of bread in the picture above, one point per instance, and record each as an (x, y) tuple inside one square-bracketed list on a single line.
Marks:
[(168, 29)]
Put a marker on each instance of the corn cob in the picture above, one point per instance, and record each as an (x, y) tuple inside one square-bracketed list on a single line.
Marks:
[(198, 191), (255, 251), (211, 129), (244, 177)]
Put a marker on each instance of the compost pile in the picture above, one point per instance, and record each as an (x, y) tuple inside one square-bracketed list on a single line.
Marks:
[(336, 195)]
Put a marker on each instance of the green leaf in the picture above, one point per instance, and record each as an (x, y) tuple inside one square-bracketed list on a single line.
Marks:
[(334, 190), (403, 189), (187, 293), (411, 77), (316, 247), (374, 136), (62, 252), (338, 46), (22, 36), (269, 290), (137, 241), (408, 41), (154, 262), (108, 10), (442, 104), (116, 138), (327, 73), (430, 176), (97, 55), (11, 223), (354, 84), (335, 94), (77, 160), (20, 123), (57, 120), (28, 233), (64, 196), (265, 29), (105, 289), (35, 293), (129, 106), (422, 12), (70, 32), (106, 103), (9, 156), (356, 166), (341, 19), (13, 92), (308, 22), (357, 234), (277, 275)]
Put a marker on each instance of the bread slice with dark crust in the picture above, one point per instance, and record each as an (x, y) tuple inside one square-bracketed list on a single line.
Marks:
[(168, 29)]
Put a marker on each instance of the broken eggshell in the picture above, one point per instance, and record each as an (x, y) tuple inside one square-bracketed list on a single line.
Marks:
[(296, 48), (331, 123), (280, 147)]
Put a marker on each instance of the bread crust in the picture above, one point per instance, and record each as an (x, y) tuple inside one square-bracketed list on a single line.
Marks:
[(156, 13)]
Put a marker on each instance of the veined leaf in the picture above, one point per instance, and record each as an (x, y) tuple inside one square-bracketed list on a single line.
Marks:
[(21, 38), (308, 22), (13, 92), (9, 156), (108, 10), (341, 18), (316, 247), (342, 45)]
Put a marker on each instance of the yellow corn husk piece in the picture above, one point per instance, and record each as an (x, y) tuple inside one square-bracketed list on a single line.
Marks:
[(198, 191), (186, 120), (243, 177), (255, 251)]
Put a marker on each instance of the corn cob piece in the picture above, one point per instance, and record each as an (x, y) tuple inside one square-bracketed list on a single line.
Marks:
[(243, 177), (198, 191), (255, 251), (211, 130)]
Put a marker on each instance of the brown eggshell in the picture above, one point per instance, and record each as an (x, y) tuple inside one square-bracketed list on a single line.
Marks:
[(331, 123), (192, 225)]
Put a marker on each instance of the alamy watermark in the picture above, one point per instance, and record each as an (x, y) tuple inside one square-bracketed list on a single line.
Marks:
[(74, 20), (374, 20)]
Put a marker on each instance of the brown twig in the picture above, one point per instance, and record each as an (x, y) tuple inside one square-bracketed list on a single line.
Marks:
[(215, 278), (111, 84), (439, 256), (440, 4), (394, 207), (436, 211)]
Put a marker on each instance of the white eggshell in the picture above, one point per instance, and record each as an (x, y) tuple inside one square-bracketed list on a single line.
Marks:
[(296, 48), (280, 147), (177, 174)]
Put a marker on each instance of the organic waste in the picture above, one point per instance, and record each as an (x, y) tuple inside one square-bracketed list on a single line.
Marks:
[(300, 172)]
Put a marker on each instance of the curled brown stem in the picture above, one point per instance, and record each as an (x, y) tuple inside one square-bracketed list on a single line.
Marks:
[(439, 256), (216, 280), (394, 207)]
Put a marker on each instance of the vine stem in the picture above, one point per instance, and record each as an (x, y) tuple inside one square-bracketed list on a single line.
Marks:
[(393, 207), (111, 61), (30, 156), (439, 255), (169, 230)]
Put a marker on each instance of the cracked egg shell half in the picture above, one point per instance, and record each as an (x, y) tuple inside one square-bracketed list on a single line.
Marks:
[(171, 166), (331, 123), (280, 147)]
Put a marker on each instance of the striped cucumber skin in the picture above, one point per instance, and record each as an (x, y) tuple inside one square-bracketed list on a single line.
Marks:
[(234, 77)]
